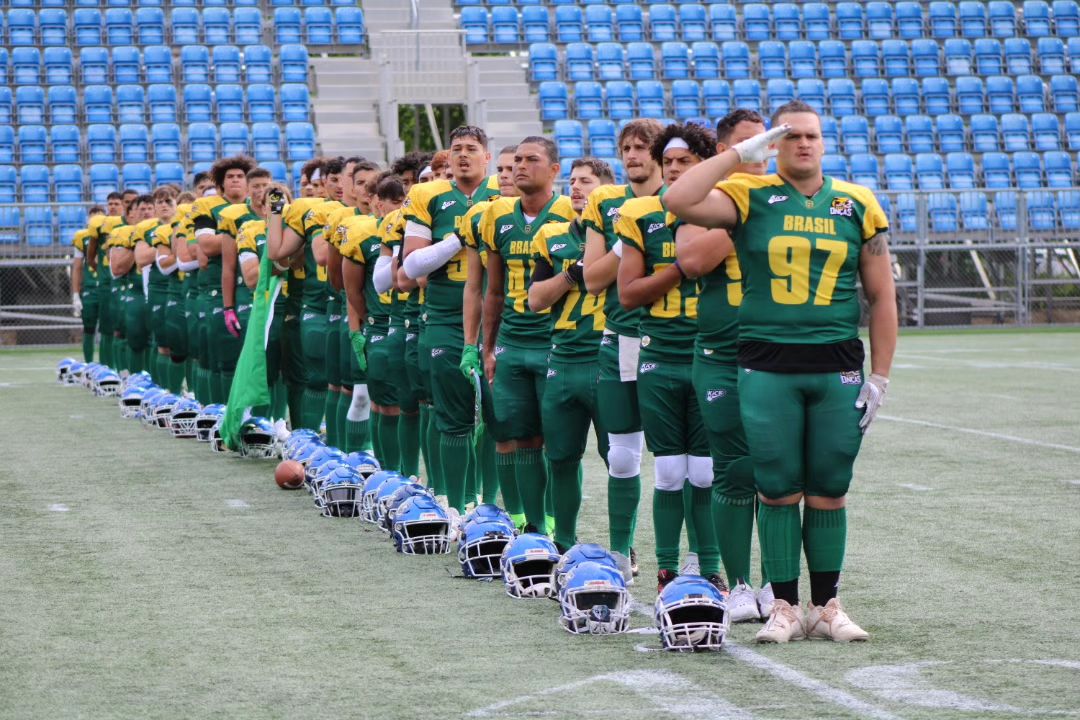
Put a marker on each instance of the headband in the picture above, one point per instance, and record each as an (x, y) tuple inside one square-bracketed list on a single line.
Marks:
[(676, 143)]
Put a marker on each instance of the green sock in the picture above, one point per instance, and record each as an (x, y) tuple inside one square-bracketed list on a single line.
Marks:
[(313, 406), (437, 471), (409, 442), (176, 376), (667, 526), (226, 384), (388, 439), (376, 437), (295, 399), (425, 447), (202, 385), (189, 374), (780, 535), (623, 497), (357, 433), (120, 353), (487, 475), (566, 497), (454, 453), (343, 403), (279, 401), (708, 550), (504, 466), (688, 517), (333, 439), (824, 539), (88, 347), (734, 522), (532, 482), (137, 363), (105, 350), (470, 491), (217, 387)]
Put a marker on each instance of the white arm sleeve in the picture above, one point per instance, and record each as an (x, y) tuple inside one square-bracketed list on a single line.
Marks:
[(165, 270), (383, 275), (423, 261), (187, 266), (417, 230), (146, 282), (247, 256)]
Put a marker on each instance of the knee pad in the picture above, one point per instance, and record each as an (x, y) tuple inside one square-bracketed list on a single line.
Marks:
[(360, 407), (671, 471), (700, 471), (624, 454)]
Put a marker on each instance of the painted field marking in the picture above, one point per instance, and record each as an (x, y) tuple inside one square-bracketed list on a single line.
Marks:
[(59, 507), (982, 433), (913, 487), (991, 365), (76, 417), (237, 504)]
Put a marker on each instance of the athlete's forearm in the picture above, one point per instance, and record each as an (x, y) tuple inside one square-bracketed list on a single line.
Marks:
[(320, 250), (352, 275), (121, 260), (875, 271), (693, 196), (545, 293), (249, 268), (472, 297), (383, 274), (76, 275), (636, 289), (701, 251), (493, 302), (228, 273), (210, 243), (91, 253), (282, 242), (334, 270), (144, 254), (601, 266)]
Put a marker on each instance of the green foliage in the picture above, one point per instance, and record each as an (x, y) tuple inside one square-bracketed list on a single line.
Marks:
[(412, 119)]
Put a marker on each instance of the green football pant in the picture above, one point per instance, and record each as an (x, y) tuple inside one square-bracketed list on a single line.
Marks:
[(176, 331), (105, 324), (518, 389), (313, 339), (90, 314), (385, 349)]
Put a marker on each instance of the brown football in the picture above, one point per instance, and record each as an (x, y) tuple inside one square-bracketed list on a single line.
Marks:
[(289, 475)]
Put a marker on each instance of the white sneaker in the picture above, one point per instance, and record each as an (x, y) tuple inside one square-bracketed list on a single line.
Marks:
[(832, 623), (765, 600), (742, 605), (784, 624), (281, 429), (691, 565)]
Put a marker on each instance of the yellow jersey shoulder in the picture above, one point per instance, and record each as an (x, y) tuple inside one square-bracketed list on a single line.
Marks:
[(204, 205)]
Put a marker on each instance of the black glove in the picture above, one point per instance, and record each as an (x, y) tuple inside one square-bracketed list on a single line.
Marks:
[(276, 199), (576, 272)]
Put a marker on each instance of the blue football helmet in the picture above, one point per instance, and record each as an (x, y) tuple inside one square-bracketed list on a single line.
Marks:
[(421, 527), (527, 566), (322, 472), (371, 492), (296, 439), (163, 408), (321, 455), (87, 377), (382, 500), (409, 489), (106, 383), (206, 420), (184, 413), (582, 552), (594, 600), (258, 439), (74, 375), (481, 547), (139, 379), (363, 462), (304, 450), (487, 512), (340, 492), (62, 368), (131, 402), (691, 614)]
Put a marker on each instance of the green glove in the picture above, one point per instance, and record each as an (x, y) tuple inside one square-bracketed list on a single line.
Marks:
[(358, 342), (470, 361)]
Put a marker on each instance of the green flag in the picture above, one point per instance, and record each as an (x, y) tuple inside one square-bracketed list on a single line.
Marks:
[(249, 387)]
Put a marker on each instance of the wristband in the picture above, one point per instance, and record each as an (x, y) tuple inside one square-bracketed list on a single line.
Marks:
[(678, 267)]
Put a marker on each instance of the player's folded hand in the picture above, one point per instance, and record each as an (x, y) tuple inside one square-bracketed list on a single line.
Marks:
[(871, 398)]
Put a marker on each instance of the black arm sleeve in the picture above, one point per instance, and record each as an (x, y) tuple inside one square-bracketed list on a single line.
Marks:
[(542, 271)]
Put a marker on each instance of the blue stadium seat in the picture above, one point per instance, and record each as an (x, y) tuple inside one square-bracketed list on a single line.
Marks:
[(1036, 18), (26, 65), (217, 25), (52, 24), (985, 135), (849, 21), (5, 65), (169, 172), (651, 99), (588, 100), (63, 104), (1051, 54), (1018, 56), (227, 63), (536, 24), (119, 26), (9, 183), (621, 102), (812, 92), (855, 133), (706, 60), (879, 20), (7, 105), (186, 25), (693, 21), (929, 171), (544, 61), (757, 22), (970, 95), (247, 24), (104, 179), (162, 102), (834, 62), (959, 56), (1002, 15), (1042, 213), (663, 20), (262, 103), (1072, 130), (951, 133), (126, 65), (716, 95), (87, 25), (787, 21), (896, 58), (924, 57), (746, 94), (973, 18), (772, 59), (909, 20), (1030, 93), (865, 59), (33, 144), (580, 61), (158, 65), (602, 138), (830, 134), (905, 95), (266, 140), (130, 103), (134, 142), (165, 139), (1068, 202), (722, 18), (675, 60), (989, 59), (599, 23), (629, 23), (835, 166), (71, 219), (1064, 91), (235, 139), (30, 104), (230, 102), (59, 66), (299, 141), (1073, 49), (997, 170), (198, 103), (942, 19), (899, 174), (641, 61), (736, 56), (505, 25), (39, 226), (974, 211), (841, 97), (865, 170), (202, 142), (553, 100), (138, 176), (875, 97), (195, 63), (943, 211), (1066, 18), (150, 26), (1059, 169), (294, 63), (66, 143), (802, 56), (906, 213), (779, 91), (287, 25), (570, 138), (278, 170), (1000, 94), (22, 27), (295, 103), (569, 24), (961, 169), (101, 143), (888, 134)]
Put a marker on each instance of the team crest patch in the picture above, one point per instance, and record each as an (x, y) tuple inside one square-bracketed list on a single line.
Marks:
[(645, 340), (851, 377), (777, 199), (714, 395), (552, 372), (647, 367), (499, 350), (842, 206), (653, 227)]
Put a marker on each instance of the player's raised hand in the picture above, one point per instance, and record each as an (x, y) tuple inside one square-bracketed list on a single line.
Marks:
[(756, 149)]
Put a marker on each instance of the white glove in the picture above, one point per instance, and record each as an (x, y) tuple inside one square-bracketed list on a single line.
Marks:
[(756, 149), (76, 304), (871, 398)]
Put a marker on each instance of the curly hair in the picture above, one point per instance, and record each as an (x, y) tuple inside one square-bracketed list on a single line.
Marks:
[(224, 165), (701, 140)]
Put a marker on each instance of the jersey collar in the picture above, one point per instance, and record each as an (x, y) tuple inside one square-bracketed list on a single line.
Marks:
[(815, 200), (541, 218)]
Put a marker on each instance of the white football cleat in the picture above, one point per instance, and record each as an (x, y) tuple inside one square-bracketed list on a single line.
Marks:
[(765, 600), (691, 565), (784, 625), (742, 604), (830, 622)]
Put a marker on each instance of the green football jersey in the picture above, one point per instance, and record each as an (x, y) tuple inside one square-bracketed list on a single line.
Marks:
[(361, 244), (670, 323), (719, 296), (81, 242), (159, 236), (508, 237), (800, 258), (205, 213), (437, 206), (579, 315), (600, 214)]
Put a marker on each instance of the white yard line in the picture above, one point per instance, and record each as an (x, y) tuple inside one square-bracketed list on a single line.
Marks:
[(982, 433), (59, 507), (914, 487), (237, 504)]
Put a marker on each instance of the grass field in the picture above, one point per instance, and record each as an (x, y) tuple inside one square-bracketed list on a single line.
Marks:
[(145, 577)]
